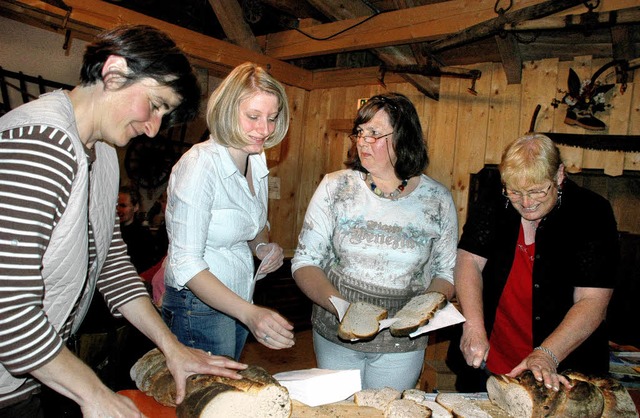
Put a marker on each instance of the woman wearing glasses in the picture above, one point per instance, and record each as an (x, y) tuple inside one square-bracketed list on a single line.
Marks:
[(535, 271), (382, 232)]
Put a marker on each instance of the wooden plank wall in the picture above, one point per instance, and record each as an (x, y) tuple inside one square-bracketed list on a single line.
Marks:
[(464, 132)]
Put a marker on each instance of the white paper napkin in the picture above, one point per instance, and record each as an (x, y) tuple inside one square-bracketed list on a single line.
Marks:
[(259, 275), (315, 387)]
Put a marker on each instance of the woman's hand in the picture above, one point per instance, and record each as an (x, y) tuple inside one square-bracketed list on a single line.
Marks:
[(270, 328), (543, 368), (183, 361), (474, 345), (272, 256), (108, 404)]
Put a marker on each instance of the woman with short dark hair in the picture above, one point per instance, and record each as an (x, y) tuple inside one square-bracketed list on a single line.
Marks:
[(59, 179)]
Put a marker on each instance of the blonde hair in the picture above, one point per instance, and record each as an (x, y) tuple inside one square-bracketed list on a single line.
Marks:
[(223, 107), (530, 159)]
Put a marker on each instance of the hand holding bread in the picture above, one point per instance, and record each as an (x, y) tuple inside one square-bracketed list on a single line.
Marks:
[(362, 320)]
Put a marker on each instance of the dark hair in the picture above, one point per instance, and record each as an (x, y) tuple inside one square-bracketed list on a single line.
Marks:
[(408, 140), (134, 194), (150, 53)]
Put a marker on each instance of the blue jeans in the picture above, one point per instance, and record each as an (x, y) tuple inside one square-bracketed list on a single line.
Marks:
[(198, 325), (377, 370)]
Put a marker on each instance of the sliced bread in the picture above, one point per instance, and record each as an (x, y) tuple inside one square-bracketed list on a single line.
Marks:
[(376, 398), (460, 407), (406, 408), (361, 321), (417, 313), (419, 396)]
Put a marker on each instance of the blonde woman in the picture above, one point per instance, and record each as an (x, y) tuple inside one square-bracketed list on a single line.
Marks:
[(217, 220)]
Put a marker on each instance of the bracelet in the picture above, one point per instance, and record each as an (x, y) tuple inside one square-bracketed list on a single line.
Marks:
[(259, 245), (550, 353)]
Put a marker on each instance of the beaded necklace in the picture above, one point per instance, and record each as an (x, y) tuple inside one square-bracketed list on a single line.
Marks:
[(393, 195)]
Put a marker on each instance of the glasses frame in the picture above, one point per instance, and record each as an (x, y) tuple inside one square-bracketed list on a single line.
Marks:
[(518, 196), (370, 139)]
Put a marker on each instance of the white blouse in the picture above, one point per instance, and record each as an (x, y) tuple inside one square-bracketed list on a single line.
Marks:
[(211, 215)]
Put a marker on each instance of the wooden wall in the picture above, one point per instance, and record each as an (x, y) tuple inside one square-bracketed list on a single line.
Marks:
[(464, 132)]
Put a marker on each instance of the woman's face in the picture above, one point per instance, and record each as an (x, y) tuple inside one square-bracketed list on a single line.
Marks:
[(535, 201), (135, 110), (258, 114), (376, 155)]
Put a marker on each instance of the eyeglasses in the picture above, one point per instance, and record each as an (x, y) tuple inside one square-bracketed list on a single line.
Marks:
[(367, 138), (533, 194)]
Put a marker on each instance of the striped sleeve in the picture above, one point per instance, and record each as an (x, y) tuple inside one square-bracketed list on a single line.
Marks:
[(37, 168), (119, 282)]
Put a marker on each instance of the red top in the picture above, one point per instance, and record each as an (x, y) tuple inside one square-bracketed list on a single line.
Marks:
[(512, 336)]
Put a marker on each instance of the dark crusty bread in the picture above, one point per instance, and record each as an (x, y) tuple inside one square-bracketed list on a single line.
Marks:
[(589, 397), (257, 394), (361, 321), (617, 400), (417, 313)]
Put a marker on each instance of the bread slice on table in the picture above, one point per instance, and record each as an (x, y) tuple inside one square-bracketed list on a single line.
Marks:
[(376, 398), (418, 396), (417, 313), (406, 408), (460, 407), (361, 321)]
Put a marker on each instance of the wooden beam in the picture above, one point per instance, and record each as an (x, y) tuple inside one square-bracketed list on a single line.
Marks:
[(623, 16), (623, 49), (88, 17), (494, 26), (390, 55), (231, 18), (393, 56), (325, 79), (417, 24), (510, 57)]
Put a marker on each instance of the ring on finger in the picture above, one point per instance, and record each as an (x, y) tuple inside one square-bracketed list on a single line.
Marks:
[(266, 337)]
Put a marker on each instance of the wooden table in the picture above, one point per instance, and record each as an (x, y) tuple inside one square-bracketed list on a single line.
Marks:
[(346, 409)]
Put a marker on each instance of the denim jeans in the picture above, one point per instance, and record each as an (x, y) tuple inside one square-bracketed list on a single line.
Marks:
[(198, 325), (377, 370)]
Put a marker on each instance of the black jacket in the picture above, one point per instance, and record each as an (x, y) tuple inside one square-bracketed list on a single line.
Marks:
[(576, 246)]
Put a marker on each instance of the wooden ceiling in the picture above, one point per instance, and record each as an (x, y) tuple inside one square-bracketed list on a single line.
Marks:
[(332, 43)]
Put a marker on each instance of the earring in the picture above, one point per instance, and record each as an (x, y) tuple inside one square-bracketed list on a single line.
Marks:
[(559, 196), (506, 203)]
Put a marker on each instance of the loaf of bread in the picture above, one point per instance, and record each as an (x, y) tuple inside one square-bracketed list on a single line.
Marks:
[(419, 396), (616, 398), (417, 313), (526, 397), (361, 321), (460, 407), (257, 394)]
